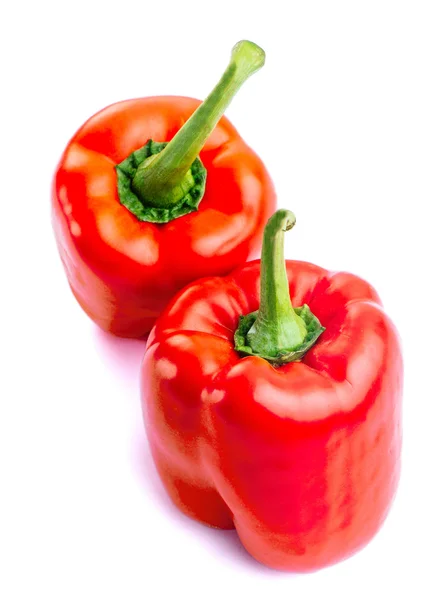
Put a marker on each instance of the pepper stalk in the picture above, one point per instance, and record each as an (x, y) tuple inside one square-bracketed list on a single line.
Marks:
[(277, 332), (162, 181)]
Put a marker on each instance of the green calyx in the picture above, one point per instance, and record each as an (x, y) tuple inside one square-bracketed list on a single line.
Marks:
[(163, 181), (310, 324), (189, 195), (277, 332)]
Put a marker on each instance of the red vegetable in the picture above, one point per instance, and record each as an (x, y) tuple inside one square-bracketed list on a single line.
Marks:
[(270, 424), (135, 221)]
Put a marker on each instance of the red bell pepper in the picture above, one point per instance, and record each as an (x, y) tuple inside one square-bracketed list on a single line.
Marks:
[(136, 220), (283, 423)]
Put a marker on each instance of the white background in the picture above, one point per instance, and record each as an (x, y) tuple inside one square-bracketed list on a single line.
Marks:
[(349, 116)]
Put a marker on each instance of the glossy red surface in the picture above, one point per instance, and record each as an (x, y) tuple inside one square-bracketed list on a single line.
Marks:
[(123, 271), (303, 460)]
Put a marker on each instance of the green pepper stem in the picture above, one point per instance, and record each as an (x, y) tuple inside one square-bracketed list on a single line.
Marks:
[(277, 329), (158, 179)]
